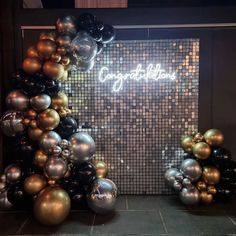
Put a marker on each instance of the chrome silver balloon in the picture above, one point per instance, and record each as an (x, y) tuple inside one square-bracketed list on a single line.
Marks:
[(82, 147), (48, 140), (56, 150), (81, 65), (11, 123), (189, 196), (4, 203), (177, 186), (102, 196), (65, 154), (191, 169), (13, 173), (64, 144), (40, 102), (55, 168), (16, 100), (187, 183), (179, 177), (170, 176)]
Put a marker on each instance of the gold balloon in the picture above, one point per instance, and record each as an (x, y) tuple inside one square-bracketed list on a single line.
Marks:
[(187, 143), (211, 189), (56, 57), (65, 76), (201, 150), (201, 186), (46, 47), (35, 133), (34, 184), (53, 70), (62, 50), (48, 119), (33, 124), (48, 35), (62, 112), (59, 101), (26, 122), (31, 114), (32, 52), (52, 206), (101, 169), (63, 40), (65, 61), (40, 158), (211, 175), (205, 197), (198, 138), (214, 137), (31, 65)]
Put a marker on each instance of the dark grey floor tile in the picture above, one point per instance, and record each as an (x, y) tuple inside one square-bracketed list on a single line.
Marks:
[(129, 222), (198, 222), (121, 203), (77, 223), (10, 222)]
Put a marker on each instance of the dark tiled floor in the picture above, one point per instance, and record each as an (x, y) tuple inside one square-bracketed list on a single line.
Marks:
[(134, 215)]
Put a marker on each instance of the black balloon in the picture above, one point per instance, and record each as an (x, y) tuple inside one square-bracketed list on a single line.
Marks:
[(70, 185), (85, 173), (32, 86), (67, 127), (17, 78), (86, 21), (220, 155), (95, 34), (108, 34), (51, 86), (98, 25), (99, 47), (223, 193)]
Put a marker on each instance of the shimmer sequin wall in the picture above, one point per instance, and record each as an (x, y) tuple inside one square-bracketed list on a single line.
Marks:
[(137, 130)]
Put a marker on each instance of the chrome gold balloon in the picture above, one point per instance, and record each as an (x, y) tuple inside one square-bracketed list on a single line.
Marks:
[(56, 57), (40, 102), (59, 101), (32, 52), (31, 114), (201, 186), (40, 158), (205, 197), (34, 184), (211, 175), (187, 143), (52, 206), (65, 76), (31, 65), (201, 150), (48, 140), (62, 112), (46, 47), (211, 189), (33, 124), (214, 137), (53, 70), (63, 40), (35, 133), (198, 137), (101, 169), (48, 35), (17, 101), (48, 119)]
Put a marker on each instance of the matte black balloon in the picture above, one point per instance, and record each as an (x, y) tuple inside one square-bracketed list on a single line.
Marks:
[(67, 127), (100, 47), (108, 34), (32, 86), (86, 21), (85, 173)]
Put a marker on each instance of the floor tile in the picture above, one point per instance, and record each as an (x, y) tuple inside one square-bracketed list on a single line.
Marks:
[(10, 222), (121, 202), (77, 223), (129, 222)]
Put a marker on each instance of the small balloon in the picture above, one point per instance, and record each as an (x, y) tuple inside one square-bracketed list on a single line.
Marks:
[(66, 25), (51, 35), (187, 183), (205, 197), (108, 33), (32, 52), (187, 143), (177, 186), (211, 175), (40, 158), (201, 186), (13, 173), (48, 119), (170, 176), (101, 169), (63, 40), (59, 101), (201, 150), (34, 184)]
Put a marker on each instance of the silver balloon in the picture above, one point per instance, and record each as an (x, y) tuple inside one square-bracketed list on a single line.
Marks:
[(177, 185), (11, 123), (179, 177), (16, 100), (84, 48), (2, 182), (40, 102), (48, 140), (81, 65), (56, 150), (4, 203), (13, 173), (55, 168), (170, 176), (65, 154), (64, 144), (102, 197), (82, 147), (191, 169), (189, 196), (187, 183)]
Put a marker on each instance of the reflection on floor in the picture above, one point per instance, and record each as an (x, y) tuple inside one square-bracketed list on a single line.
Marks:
[(135, 215)]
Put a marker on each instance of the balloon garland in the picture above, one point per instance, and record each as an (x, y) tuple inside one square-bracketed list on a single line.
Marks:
[(54, 167), (207, 173)]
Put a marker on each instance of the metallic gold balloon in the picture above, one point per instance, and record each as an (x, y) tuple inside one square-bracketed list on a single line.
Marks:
[(62, 112), (65, 76), (40, 158), (56, 57), (59, 101), (17, 101), (63, 40), (13, 173), (201, 186), (48, 35), (214, 137), (187, 143), (31, 114), (32, 52), (52, 206), (211, 189), (48, 119), (31, 65), (40, 102), (35, 133), (198, 138), (34, 184), (211, 175), (26, 122), (65, 60), (201, 150), (205, 197), (33, 124), (48, 140), (101, 169), (53, 70), (46, 47)]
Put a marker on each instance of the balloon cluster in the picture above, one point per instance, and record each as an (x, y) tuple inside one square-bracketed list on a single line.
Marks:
[(207, 173), (54, 166)]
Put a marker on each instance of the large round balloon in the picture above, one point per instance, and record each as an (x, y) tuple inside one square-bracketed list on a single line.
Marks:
[(102, 196), (67, 127), (34, 184), (214, 137), (170, 176), (189, 196), (11, 123), (211, 175), (48, 119), (53, 70), (108, 33), (191, 169), (52, 206), (45, 48), (40, 102), (12, 173), (59, 101), (48, 140), (31, 65), (201, 150), (66, 25), (82, 147), (4, 202), (187, 143), (16, 100)]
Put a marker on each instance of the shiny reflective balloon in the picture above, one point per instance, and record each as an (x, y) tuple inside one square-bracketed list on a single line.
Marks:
[(201, 150), (201, 186), (48, 119), (191, 169), (177, 186), (33, 85), (187, 183), (4, 203), (52, 86), (13, 173), (31, 65), (211, 175), (189, 196), (40, 102), (67, 127), (53, 70), (66, 25), (82, 65), (82, 147), (51, 35), (102, 196), (211, 189), (35, 133), (12, 123), (187, 143), (198, 137), (108, 33), (101, 169), (52, 206), (40, 158), (48, 140), (221, 156), (214, 137), (34, 184), (16, 100), (63, 40), (59, 101), (45, 48), (170, 176), (32, 52), (205, 197)]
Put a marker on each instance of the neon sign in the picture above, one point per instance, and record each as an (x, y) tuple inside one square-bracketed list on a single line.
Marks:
[(151, 72)]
